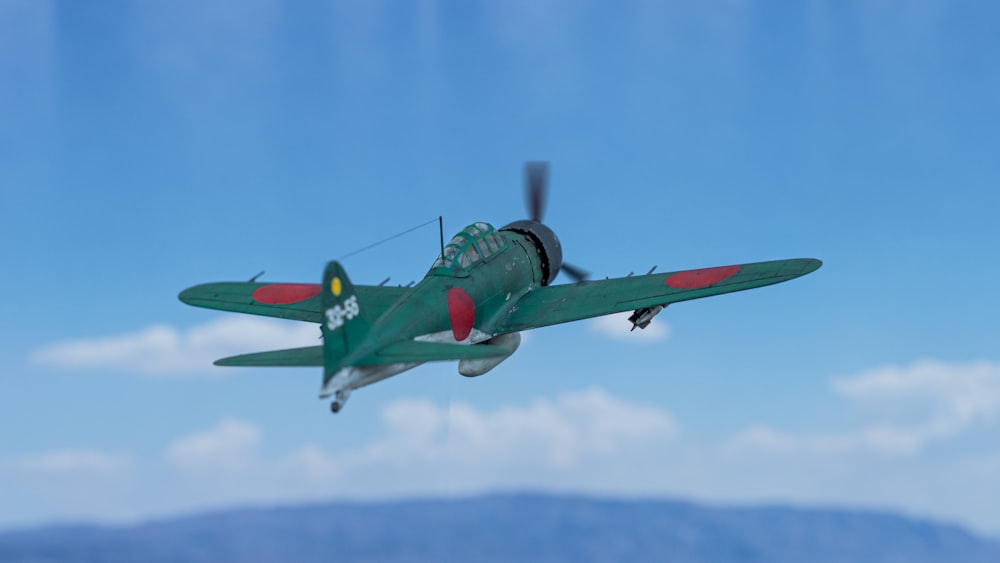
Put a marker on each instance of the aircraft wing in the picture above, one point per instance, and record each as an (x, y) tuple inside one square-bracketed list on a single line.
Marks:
[(295, 301), (556, 304)]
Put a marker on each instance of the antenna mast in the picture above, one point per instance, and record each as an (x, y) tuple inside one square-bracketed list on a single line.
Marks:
[(441, 234)]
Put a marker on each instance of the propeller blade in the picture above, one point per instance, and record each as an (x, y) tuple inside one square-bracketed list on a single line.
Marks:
[(573, 272), (536, 185)]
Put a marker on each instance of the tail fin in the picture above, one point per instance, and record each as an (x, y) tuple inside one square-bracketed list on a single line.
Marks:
[(345, 322)]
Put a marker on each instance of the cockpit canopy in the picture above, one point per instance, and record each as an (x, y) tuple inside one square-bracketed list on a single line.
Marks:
[(476, 242)]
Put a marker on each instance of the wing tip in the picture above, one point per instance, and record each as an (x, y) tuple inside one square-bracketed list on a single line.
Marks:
[(197, 295), (810, 265), (187, 295)]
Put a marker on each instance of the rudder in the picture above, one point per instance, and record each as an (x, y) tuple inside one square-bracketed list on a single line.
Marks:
[(345, 323)]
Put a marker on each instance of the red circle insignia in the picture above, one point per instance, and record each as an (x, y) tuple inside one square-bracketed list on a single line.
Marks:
[(285, 293), (462, 313), (697, 279)]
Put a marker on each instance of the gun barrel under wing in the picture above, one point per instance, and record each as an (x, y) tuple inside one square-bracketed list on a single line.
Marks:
[(642, 317)]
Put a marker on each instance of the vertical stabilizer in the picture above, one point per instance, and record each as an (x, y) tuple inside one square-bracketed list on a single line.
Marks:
[(345, 322)]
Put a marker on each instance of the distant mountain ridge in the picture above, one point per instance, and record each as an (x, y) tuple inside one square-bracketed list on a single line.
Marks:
[(511, 527)]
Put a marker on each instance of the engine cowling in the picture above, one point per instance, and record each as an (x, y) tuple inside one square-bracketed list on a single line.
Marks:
[(474, 368), (545, 241)]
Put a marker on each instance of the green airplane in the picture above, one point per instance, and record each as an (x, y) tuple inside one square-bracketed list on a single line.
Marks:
[(486, 286)]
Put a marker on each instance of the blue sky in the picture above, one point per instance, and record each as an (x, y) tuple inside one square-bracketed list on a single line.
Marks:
[(146, 148)]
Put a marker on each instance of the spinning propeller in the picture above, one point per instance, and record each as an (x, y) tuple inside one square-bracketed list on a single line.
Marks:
[(536, 187)]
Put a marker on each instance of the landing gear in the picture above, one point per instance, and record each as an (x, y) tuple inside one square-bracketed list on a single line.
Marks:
[(339, 398)]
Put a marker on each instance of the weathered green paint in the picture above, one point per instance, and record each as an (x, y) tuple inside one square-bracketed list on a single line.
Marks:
[(293, 357), (504, 284), (237, 297), (572, 302)]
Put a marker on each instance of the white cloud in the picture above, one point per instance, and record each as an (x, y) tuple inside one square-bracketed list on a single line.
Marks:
[(230, 445), (951, 396), (877, 438), (583, 439), (67, 462), (165, 350), (912, 406), (617, 326), (554, 433), (916, 443), (424, 448)]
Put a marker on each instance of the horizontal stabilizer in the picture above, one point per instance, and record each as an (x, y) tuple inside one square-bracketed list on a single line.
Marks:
[(292, 357), (419, 351), (400, 352)]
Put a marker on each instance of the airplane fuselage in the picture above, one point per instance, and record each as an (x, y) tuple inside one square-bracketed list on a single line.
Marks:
[(450, 304)]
